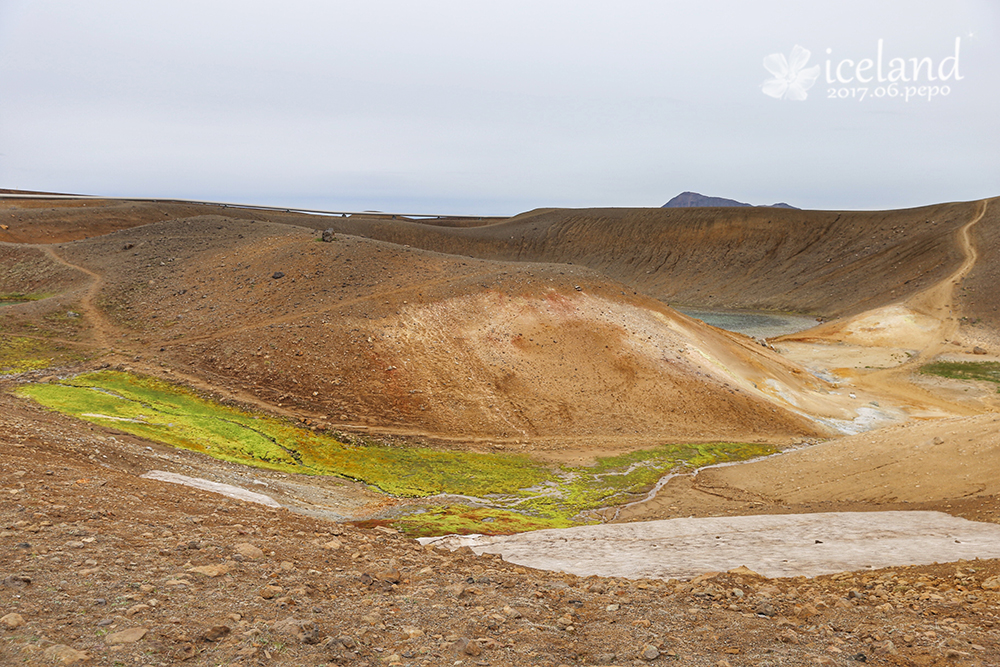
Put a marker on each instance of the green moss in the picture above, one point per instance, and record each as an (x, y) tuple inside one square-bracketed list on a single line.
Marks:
[(19, 354), (511, 493), (619, 479), (988, 371), (176, 416), (564, 500)]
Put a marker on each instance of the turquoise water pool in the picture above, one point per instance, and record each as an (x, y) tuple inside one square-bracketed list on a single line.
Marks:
[(752, 323)]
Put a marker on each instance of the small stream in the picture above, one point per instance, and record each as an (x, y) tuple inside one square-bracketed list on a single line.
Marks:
[(601, 512), (669, 476)]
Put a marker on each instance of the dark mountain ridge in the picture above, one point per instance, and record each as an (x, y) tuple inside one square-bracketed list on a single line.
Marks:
[(694, 199)]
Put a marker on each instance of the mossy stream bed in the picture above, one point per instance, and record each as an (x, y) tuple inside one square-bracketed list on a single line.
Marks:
[(458, 491)]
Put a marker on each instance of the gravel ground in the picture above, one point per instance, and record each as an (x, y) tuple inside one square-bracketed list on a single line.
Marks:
[(99, 566)]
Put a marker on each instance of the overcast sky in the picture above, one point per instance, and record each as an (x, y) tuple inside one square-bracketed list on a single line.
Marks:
[(499, 107)]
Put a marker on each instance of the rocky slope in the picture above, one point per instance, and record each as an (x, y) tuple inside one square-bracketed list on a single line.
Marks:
[(100, 567)]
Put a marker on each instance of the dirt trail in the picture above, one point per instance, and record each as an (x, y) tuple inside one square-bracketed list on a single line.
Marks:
[(937, 302), (100, 326), (895, 340)]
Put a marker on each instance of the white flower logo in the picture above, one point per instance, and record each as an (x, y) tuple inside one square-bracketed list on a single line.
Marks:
[(790, 80)]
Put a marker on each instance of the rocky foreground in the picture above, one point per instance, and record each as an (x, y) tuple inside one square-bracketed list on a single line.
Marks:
[(98, 566)]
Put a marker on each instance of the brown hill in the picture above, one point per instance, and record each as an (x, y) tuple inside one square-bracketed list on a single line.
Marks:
[(766, 259), (30, 220), (977, 296), (369, 334), (752, 258)]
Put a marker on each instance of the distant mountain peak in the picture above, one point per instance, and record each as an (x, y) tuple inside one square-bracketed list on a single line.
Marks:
[(692, 199)]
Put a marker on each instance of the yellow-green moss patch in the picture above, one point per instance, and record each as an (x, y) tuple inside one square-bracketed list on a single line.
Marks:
[(176, 416), (19, 354), (466, 491)]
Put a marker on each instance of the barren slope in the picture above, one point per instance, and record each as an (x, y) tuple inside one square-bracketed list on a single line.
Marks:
[(364, 333), (977, 297), (770, 259), (40, 220), (767, 259)]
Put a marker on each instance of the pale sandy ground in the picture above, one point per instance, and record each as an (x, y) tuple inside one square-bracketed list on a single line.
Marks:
[(912, 462), (776, 546), (915, 462), (953, 455), (876, 353)]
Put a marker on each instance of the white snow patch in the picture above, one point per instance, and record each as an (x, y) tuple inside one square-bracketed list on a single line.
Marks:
[(227, 490), (773, 545)]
